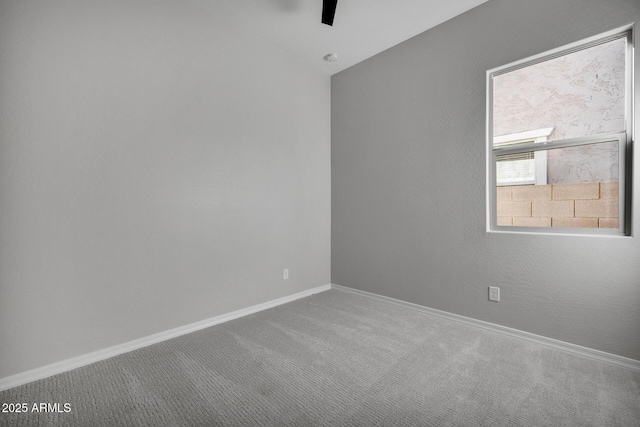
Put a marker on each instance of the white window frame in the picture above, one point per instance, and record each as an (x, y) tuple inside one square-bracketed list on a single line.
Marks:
[(625, 140)]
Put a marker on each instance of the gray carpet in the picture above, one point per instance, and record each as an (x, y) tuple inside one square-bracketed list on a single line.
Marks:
[(338, 359)]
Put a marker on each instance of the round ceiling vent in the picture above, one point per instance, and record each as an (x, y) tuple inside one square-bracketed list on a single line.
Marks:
[(332, 57)]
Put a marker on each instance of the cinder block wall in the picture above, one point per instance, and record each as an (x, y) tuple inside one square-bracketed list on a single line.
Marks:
[(585, 205)]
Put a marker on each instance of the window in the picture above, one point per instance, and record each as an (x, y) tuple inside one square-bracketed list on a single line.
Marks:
[(522, 168), (558, 134)]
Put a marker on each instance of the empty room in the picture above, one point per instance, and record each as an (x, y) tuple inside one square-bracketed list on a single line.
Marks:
[(319, 213)]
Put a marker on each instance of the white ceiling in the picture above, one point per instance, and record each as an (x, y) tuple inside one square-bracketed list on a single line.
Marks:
[(361, 29)]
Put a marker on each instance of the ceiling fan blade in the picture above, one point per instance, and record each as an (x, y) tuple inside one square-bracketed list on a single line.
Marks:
[(328, 11)]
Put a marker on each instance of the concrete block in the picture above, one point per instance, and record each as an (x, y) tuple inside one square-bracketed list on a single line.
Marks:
[(504, 220), (552, 208), (608, 222), (575, 222), (531, 222), (604, 208), (503, 193), (507, 208), (531, 192), (581, 190), (608, 190)]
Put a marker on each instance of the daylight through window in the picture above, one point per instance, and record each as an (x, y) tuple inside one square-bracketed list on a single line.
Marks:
[(558, 133)]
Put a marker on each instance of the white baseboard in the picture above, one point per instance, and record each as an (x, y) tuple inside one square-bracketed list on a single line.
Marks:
[(539, 339), (96, 356)]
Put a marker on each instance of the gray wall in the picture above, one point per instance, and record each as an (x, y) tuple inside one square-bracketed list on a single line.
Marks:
[(408, 183), (156, 169)]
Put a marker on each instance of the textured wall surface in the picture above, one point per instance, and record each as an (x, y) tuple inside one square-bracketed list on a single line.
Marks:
[(586, 163), (156, 169), (578, 94), (409, 192)]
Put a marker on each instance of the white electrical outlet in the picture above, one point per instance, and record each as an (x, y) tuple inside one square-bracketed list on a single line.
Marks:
[(285, 274), (494, 293)]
